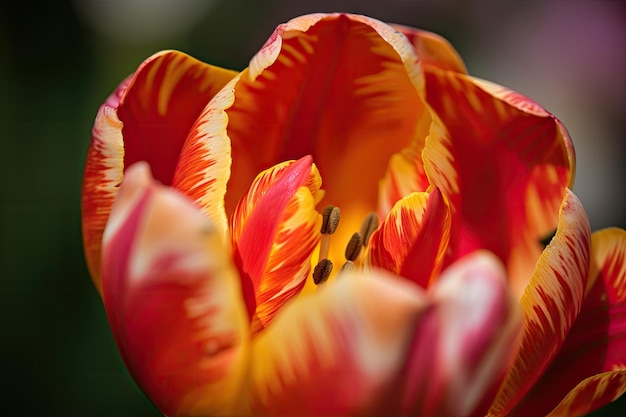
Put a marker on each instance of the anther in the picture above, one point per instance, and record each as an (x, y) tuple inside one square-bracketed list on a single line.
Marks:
[(330, 220), (347, 267), (354, 247), (322, 271), (369, 225)]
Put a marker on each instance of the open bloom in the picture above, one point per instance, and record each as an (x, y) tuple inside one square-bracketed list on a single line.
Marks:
[(446, 302)]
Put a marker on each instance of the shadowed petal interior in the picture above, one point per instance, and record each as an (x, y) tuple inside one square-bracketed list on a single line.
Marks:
[(344, 89)]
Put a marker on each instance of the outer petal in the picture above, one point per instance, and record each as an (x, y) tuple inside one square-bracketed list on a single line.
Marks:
[(344, 89), (551, 303), (173, 301), (504, 167), (464, 343), (148, 118), (373, 345), (591, 393), (275, 229), (596, 343), (413, 239), (432, 49), (336, 352)]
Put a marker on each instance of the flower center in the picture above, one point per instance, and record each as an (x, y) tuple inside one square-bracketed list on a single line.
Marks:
[(354, 252)]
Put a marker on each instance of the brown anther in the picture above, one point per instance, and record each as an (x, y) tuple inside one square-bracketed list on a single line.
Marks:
[(369, 225), (347, 267), (330, 220), (353, 249), (322, 271)]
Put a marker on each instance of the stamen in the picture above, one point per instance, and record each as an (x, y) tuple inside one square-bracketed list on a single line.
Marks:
[(330, 222), (347, 267), (369, 225), (322, 271), (354, 247)]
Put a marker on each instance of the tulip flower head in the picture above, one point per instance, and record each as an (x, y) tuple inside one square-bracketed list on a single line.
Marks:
[(351, 226)]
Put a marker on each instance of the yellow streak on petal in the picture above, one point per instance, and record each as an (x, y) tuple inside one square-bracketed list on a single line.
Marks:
[(608, 250)]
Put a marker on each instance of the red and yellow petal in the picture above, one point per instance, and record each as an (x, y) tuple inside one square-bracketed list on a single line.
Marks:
[(104, 171), (344, 89), (275, 229), (147, 118), (464, 342), (591, 394), (596, 343), (551, 303), (504, 166), (337, 352), (173, 300), (432, 49), (204, 164), (413, 239)]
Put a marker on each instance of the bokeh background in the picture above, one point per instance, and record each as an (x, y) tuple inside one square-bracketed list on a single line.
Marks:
[(60, 59)]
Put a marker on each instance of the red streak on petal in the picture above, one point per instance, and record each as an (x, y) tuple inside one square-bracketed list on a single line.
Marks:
[(424, 253), (258, 236)]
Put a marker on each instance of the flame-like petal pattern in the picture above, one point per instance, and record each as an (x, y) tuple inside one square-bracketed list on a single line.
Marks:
[(590, 394), (147, 118), (551, 303), (469, 177), (413, 239), (596, 343), (504, 167), (346, 90), (275, 229)]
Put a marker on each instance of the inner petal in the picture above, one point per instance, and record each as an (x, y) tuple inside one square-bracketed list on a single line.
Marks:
[(338, 92)]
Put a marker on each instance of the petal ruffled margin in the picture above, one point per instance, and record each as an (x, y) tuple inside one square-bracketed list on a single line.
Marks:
[(551, 303), (275, 229), (173, 300), (147, 118)]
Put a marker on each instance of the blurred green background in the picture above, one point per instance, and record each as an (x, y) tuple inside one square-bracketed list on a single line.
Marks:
[(60, 60)]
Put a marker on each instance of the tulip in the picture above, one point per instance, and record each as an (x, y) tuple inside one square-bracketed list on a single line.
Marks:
[(203, 235)]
